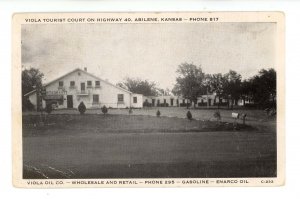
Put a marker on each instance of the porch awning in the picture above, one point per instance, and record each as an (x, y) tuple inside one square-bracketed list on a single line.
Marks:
[(53, 97)]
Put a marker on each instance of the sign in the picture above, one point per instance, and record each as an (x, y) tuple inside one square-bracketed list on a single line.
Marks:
[(235, 115), (59, 92), (53, 97)]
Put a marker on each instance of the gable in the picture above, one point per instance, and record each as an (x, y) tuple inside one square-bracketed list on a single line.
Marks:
[(76, 75)]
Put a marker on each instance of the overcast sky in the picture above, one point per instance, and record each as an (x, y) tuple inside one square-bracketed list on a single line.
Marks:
[(148, 51)]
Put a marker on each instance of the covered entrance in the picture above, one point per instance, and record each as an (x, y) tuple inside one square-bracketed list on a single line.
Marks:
[(54, 99)]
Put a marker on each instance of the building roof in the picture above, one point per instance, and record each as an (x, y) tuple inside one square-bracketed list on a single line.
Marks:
[(78, 69)]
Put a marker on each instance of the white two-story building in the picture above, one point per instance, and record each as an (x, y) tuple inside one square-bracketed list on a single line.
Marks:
[(78, 86)]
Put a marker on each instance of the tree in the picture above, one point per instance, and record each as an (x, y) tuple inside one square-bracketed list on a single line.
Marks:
[(176, 90), (190, 82), (161, 91), (232, 86), (216, 85), (247, 90), (264, 88), (31, 79), (139, 86)]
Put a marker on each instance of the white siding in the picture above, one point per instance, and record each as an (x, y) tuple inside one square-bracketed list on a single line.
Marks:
[(139, 102), (32, 99), (108, 93)]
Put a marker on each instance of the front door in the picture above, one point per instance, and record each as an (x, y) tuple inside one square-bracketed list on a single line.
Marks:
[(70, 101)]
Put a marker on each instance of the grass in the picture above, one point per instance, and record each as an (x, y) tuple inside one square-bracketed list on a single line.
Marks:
[(141, 146)]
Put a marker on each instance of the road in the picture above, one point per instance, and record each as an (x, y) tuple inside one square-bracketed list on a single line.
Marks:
[(186, 154)]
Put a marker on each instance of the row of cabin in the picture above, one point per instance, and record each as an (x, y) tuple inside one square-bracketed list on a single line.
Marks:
[(177, 101)]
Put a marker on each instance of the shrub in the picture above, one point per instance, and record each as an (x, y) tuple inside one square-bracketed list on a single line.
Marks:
[(49, 108), (104, 110), (189, 115), (81, 108), (158, 113), (217, 115)]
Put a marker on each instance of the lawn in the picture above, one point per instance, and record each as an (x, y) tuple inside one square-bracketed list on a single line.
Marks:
[(119, 145)]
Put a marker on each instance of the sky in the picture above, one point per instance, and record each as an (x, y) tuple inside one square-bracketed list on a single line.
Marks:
[(148, 51)]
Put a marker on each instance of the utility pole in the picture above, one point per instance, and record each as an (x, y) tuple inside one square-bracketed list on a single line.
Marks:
[(207, 97), (40, 93)]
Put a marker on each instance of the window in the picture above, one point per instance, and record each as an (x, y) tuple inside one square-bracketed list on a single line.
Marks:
[(89, 83), (72, 83), (82, 86), (97, 83), (60, 83), (120, 97), (95, 99), (135, 100), (61, 102)]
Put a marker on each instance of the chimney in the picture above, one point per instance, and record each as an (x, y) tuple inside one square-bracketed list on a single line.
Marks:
[(85, 69)]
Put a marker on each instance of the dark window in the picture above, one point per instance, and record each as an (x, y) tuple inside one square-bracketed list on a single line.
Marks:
[(82, 86), (60, 83), (95, 98), (97, 83), (135, 100), (120, 97), (89, 83), (172, 101), (158, 102), (61, 102), (72, 83)]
